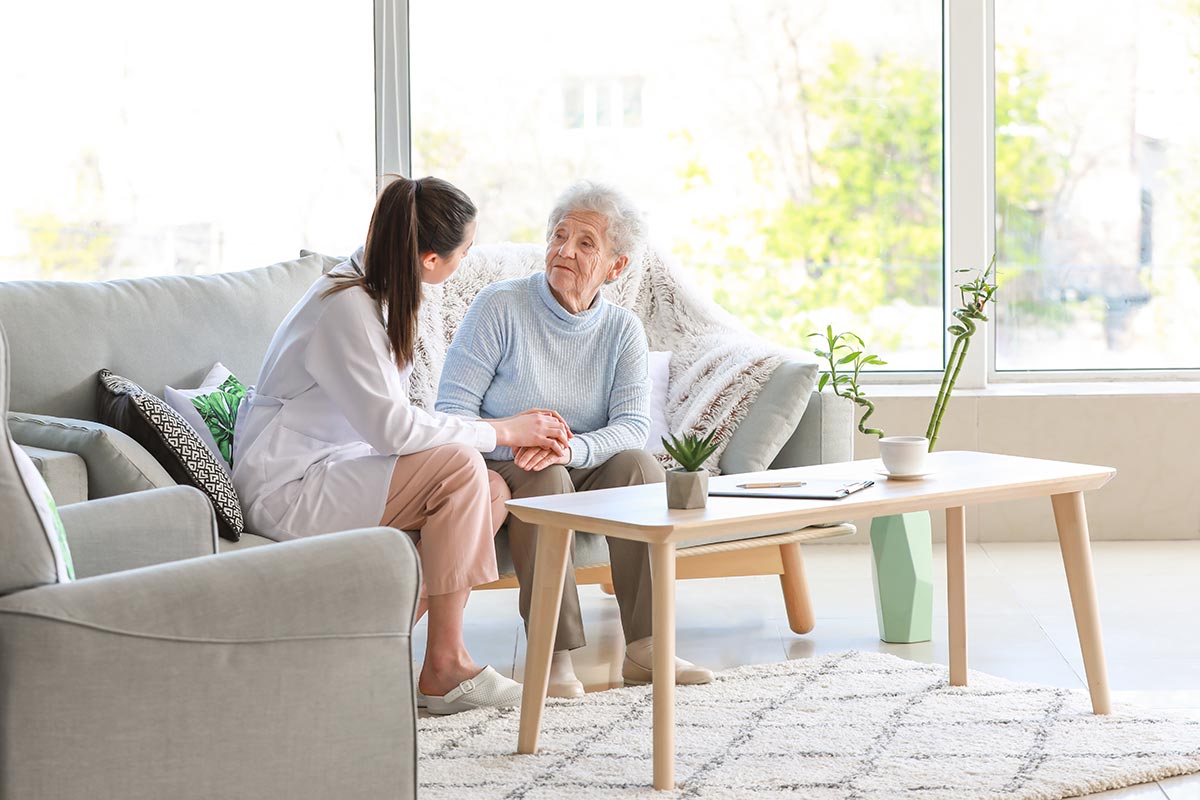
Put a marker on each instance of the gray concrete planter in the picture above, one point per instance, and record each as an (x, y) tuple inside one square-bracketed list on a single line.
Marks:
[(687, 489)]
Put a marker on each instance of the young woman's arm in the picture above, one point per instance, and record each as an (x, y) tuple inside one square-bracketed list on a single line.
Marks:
[(349, 356)]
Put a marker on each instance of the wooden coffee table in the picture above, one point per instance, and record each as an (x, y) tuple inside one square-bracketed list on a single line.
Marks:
[(640, 513)]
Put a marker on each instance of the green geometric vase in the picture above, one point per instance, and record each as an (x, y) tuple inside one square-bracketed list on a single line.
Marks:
[(902, 564)]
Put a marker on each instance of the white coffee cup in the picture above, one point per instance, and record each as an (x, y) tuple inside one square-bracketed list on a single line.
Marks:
[(904, 455)]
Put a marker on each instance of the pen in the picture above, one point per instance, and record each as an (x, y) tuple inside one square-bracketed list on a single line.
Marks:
[(779, 485)]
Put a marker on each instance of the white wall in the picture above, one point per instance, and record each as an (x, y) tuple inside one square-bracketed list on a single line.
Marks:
[(1148, 432)]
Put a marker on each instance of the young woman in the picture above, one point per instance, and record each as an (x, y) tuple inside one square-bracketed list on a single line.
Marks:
[(327, 439)]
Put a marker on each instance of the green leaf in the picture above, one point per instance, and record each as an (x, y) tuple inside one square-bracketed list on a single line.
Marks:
[(824, 380), (691, 450), (848, 358)]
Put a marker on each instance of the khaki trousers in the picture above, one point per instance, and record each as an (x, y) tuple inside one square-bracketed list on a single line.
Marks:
[(630, 561), (456, 505)]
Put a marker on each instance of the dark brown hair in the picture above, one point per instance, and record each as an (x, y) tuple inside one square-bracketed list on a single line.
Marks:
[(411, 218)]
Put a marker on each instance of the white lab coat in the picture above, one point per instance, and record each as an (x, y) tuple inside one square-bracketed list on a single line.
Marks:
[(316, 439)]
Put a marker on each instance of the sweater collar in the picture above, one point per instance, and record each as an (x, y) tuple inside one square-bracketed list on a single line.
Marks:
[(579, 321)]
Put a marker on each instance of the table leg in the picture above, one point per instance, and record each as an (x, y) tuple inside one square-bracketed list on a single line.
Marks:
[(550, 569), (1071, 519), (796, 597), (662, 572), (956, 592)]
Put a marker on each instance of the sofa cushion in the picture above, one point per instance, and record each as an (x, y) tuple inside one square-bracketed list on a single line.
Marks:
[(772, 419), (159, 428), (116, 464), (211, 410), (660, 373)]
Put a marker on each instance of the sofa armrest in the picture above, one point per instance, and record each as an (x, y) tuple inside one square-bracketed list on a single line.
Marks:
[(322, 586), (116, 464), (140, 529), (280, 671), (64, 473)]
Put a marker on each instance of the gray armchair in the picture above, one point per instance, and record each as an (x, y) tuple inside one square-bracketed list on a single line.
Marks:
[(166, 671)]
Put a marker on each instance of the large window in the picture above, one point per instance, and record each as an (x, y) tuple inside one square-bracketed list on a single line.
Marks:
[(1098, 184), (146, 137), (789, 153)]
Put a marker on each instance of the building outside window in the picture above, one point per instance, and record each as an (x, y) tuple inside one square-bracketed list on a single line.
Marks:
[(1098, 245)]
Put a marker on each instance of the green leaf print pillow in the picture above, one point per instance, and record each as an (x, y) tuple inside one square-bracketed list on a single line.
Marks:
[(211, 410)]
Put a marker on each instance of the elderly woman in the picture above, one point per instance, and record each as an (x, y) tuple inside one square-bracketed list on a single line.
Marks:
[(550, 340)]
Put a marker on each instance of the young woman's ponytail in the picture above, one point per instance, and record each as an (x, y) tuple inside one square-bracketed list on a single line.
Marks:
[(411, 218)]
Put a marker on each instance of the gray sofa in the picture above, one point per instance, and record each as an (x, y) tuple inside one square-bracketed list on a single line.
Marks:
[(170, 330), (163, 671)]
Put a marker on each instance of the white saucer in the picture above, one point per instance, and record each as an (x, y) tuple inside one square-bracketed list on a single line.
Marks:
[(916, 476)]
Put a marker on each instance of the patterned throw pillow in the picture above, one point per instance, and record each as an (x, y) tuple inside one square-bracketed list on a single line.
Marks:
[(163, 432), (211, 409), (43, 503)]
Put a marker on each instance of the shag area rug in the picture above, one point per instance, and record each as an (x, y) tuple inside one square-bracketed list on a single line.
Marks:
[(847, 725)]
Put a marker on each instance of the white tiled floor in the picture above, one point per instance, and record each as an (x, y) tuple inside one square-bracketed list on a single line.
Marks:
[(1019, 623)]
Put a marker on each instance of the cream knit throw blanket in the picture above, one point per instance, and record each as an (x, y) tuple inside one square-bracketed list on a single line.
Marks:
[(718, 367)]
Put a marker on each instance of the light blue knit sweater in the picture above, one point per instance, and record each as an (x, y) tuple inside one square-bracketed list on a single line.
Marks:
[(518, 348)]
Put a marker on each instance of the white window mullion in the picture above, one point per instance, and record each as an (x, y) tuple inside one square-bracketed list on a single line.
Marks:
[(393, 144), (970, 162)]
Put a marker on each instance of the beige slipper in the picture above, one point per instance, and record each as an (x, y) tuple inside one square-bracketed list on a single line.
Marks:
[(563, 682), (637, 670)]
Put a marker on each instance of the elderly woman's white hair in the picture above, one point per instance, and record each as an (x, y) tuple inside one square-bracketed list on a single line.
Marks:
[(626, 226)]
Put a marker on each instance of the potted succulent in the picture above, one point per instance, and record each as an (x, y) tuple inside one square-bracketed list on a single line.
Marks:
[(688, 487), (902, 544)]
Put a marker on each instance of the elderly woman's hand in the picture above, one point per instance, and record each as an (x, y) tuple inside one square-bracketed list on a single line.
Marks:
[(533, 428), (536, 459)]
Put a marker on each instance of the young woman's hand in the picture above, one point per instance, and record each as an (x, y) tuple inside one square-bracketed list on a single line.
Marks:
[(536, 459), (533, 428)]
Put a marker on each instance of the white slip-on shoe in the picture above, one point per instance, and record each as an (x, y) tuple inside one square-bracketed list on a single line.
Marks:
[(563, 682), (488, 689), (638, 667)]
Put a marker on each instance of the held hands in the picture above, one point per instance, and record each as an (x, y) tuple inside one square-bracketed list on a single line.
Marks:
[(535, 429), (536, 459)]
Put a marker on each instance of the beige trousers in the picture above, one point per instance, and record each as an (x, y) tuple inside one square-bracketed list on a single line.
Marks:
[(630, 560), (455, 505)]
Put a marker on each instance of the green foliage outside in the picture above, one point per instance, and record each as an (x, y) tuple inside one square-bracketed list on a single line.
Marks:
[(68, 250), (79, 245), (866, 231)]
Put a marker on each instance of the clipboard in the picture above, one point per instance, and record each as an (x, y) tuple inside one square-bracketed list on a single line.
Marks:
[(815, 489)]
